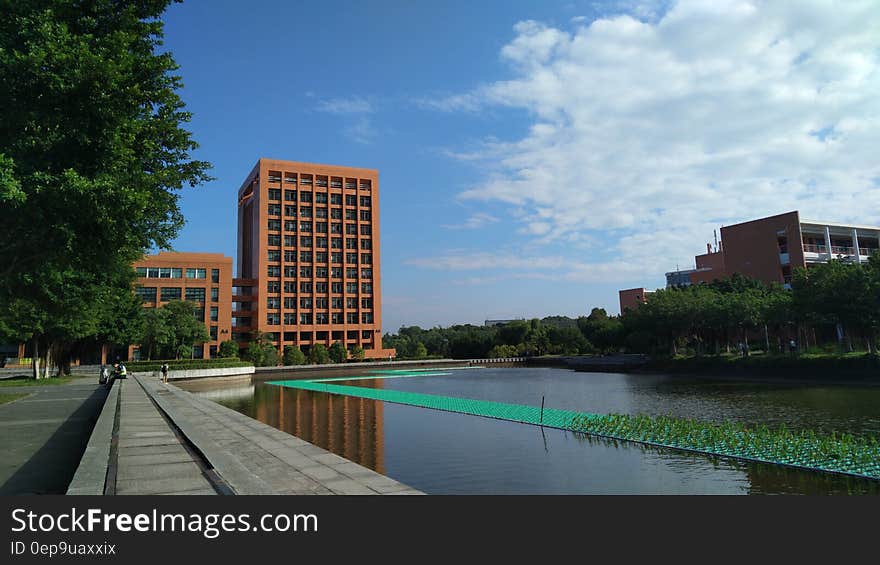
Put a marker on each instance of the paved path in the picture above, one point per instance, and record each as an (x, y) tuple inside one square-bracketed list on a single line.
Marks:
[(150, 457), (252, 457), (44, 435)]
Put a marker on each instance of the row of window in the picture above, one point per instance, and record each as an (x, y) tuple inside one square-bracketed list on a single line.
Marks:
[(319, 180), (274, 303), (319, 198), (174, 273), (319, 227), (274, 318), (335, 258), (321, 214), (196, 294), (290, 272), (321, 256), (320, 242), (305, 287)]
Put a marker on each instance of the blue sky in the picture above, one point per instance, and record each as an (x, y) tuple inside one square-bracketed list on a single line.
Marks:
[(535, 157)]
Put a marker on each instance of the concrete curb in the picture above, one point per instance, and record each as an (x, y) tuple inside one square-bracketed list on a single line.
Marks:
[(91, 474), (199, 373)]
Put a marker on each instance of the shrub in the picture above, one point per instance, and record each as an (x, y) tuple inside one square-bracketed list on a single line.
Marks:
[(228, 349), (338, 353), (293, 355), (318, 355)]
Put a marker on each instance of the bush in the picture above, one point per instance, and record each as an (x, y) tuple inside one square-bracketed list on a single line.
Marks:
[(180, 365), (318, 355), (357, 353), (338, 353), (228, 349), (293, 355)]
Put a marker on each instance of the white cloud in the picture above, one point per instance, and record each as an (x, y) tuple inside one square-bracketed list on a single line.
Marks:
[(648, 131), (476, 221), (353, 105)]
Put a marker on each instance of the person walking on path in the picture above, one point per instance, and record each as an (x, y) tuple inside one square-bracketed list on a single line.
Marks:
[(164, 372)]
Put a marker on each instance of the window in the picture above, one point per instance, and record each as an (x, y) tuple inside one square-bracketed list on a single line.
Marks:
[(321, 181), (366, 230), (215, 275), (367, 288), (195, 294), (336, 272), (199, 314), (213, 350), (321, 272), (321, 242), (335, 228), (351, 303), (305, 257), (305, 287), (366, 216), (336, 317), (273, 303), (273, 318), (289, 225), (305, 272), (336, 302), (290, 272), (350, 200), (290, 178), (321, 287), (274, 209), (196, 273), (305, 241), (366, 273), (289, 303), (198, 352), (321, 303), (305, 303), (367, 303), (351, 243), (290, 195), (351, 318), (367, 334), (336, 199), (274, 194), (336, 258), (351, 288), (366, 202), (274, 225), (215, 295), (289, 318), (367, 318), (322, 318), (305, 211), (289, 256), (170, 293), (141, 272), (273, 287), (366, 258), (336, 243), (320, 197), (336, 213), (351, 215), (351, 229), (290, 287), (365, 184), (213, 333), (367, 244), (351, 272), (321, 227), (336, 288), (305, 318), (274, 240), (289, 240), (273, 271), (352, 334), (274, 255), (321, 213), (351, 258), (305, 196), (305, 227), (290, 210), (147, 293), (274, 176), (160, 272)]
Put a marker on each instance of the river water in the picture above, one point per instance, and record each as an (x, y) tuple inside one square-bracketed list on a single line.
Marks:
[(448, 453)]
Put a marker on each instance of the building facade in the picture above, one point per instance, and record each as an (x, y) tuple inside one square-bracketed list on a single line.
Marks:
[(770, 249), (202, 278), (308, 257)]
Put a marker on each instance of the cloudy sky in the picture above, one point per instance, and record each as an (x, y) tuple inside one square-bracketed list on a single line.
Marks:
[(536, 157)]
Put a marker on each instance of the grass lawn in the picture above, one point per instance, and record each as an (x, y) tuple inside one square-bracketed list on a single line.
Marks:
[(28, 381), (10, 396)]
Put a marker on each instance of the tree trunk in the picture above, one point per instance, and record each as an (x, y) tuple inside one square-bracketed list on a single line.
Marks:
[(35, 359)]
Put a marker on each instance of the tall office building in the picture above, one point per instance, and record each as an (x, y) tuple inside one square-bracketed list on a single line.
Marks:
[(308, 257)]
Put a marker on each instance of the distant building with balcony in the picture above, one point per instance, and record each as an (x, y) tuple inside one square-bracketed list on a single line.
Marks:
[(769, 249)]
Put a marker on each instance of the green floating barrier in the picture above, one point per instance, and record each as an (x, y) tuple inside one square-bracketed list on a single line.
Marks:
[(841, 454)]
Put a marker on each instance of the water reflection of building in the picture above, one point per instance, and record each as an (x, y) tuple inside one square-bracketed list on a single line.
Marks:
[(349, 427)]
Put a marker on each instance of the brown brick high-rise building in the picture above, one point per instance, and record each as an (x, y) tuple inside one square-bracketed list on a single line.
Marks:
[(308, 257)]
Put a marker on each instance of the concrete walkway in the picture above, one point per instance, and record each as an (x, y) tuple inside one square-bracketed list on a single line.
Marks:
[(249, 456), (150, 457), (45, 434)]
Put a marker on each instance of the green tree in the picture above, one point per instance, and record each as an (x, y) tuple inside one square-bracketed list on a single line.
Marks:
[(227, 349), (185, 329), (421, 351), (318, 355), (293, 355), (156, 334), (92, 155), (338, 353), (357, 353)]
